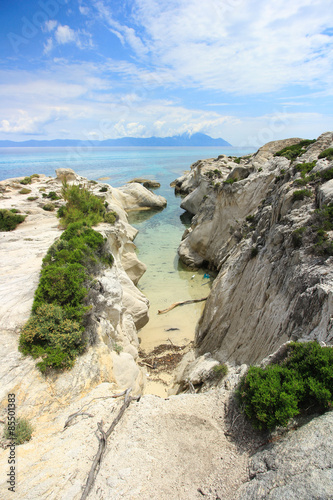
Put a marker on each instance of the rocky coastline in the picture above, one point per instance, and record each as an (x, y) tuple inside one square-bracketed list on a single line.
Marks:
[(272, 286)]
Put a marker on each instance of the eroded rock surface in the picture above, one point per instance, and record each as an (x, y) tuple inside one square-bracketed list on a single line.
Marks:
[(119, 308), (299, 465), (271, 286)]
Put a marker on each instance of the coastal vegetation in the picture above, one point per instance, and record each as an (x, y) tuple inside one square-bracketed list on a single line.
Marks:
[(28, 180), (301, 383), (301, 194), (292, 152), (84, 206), (327, 154), (22, 433), (55, 332), (10, 219), (25, 191)]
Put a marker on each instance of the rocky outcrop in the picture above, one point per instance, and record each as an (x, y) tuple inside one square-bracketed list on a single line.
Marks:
[(134, 196), (147, 183), (299, 465), (270, 288), (118, 307)]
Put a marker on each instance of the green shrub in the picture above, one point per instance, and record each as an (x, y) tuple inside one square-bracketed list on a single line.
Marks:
[(322, 224), (25, 191), (254, 252), (26, 180), (22, 432), (103, 189), (292, 152), (220, 371), (49, 207), (301, 194), (118, 348), (64, 286), (9, 219), (230, 181), (110, 217), (237, 160), (327, 153), (32, 198), (297, 237), (64, 282), (52, 336), (302, 182), (302, 382), (305, 168), (53, 196), (81, 205), (326, 175), (217, 173)]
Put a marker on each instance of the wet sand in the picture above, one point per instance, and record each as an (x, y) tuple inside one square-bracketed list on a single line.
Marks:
[(165, 282)]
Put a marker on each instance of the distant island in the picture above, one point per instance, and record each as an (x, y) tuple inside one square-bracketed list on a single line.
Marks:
[(186, 139)]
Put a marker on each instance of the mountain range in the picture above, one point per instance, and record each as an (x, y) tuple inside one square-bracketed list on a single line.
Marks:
[(186, 139)]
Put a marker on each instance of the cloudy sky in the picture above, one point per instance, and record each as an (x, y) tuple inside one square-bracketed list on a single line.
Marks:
[(248, 71)]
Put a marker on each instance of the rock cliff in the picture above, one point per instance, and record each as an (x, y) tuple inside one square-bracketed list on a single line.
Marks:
[(254, 225), (118, 307)]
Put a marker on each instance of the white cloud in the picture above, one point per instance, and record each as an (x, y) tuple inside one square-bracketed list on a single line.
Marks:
[(64, 34), (126, 34), (50, 25), (84, 10), (28, 123), (239, 46), (48, 46)]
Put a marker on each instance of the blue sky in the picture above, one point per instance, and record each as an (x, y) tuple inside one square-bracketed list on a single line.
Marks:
[(249, 71)]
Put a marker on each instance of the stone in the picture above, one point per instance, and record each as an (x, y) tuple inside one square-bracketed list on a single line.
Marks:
[(299, 465), (259, 300), (147, 183), (135, 196), (66, 174), (325, 194), (193, 200)]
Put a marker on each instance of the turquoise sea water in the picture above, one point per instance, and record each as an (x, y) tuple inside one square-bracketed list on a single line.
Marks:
[(166, 280)]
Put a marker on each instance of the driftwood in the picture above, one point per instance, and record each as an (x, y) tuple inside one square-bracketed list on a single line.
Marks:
[(71, 417), (102, 438), (80, 412), (176, 304)]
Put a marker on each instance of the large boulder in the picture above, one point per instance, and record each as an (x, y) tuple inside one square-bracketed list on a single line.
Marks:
[(135, 196), (299, 466)]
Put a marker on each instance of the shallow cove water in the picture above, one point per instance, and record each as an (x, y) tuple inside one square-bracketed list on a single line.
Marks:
[(166, 280)]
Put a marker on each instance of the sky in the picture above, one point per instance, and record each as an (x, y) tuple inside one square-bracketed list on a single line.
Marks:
[(248, 71)]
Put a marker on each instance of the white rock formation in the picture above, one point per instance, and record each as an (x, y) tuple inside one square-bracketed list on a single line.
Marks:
[(269, 289), (119, 307)]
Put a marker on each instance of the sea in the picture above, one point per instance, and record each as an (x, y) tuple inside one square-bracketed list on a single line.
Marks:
[(166, 280)]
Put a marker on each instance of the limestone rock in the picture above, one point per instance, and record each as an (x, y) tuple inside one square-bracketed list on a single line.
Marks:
[(261, 296), (325, 195), (111, 318), (323, 142), (133, 267), (193, 200), (66, 174), (267, 151), (135, 196), (300, 465), (147, 183)]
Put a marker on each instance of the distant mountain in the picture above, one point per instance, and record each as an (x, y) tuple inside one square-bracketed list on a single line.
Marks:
[(186, 139)]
